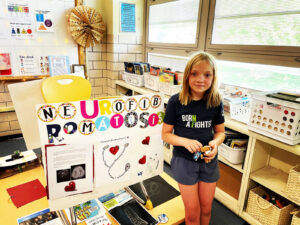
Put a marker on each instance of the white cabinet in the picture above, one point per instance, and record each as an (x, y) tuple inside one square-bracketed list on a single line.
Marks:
[(267, 163)]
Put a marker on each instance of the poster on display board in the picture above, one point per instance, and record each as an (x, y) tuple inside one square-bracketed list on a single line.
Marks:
[(124, 135), (20, 19), (44, 20), (27, 64)]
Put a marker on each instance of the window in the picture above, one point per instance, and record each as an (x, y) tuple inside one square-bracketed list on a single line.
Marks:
[(256, 27), (173, 22), (259, 77), (256, 43), (176, 63), (260, 22), (247, 75)]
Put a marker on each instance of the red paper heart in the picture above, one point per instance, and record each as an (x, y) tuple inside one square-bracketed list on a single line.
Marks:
[(142, 160), (146, 141), (114, 150), (71, 186)]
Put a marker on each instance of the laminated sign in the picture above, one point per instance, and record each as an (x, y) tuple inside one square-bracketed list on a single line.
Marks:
[(95, 143)]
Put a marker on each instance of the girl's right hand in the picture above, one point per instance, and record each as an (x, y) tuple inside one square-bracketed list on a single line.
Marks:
[(192, 145)]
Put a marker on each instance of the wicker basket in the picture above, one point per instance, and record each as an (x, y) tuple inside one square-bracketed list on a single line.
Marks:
[(264, 211), (296, 219), (293, 184)]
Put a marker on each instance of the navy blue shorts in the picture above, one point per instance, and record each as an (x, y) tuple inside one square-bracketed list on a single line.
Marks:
[(189, 172)]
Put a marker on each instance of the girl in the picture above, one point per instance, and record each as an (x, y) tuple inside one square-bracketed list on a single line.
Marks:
[(194, 118)]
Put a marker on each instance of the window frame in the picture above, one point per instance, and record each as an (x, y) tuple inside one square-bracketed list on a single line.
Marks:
[(176, 45), (271, 55), (284, 50)]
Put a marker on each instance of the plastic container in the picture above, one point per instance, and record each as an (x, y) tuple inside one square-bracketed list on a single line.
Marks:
[(240, 110), (234, 156), (151, 82), (169, 89), (275, 118), (133, 79)]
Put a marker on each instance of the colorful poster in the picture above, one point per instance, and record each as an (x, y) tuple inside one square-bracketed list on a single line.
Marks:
[(44, 21), (21, 30), (43, 65), (125, 133), (91, 213), (5, 66), (18, 9), (44, 217), (27, 65), (20, 21)]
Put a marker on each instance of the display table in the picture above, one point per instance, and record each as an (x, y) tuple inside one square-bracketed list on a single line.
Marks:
[(9, 214)]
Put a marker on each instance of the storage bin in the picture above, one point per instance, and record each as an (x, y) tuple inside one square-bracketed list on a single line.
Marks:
[(275, 118), (169, 89), (296, 219), (151, 82), (234, 156), (240, 110), (293, 184), (264, 211), (133, 79)]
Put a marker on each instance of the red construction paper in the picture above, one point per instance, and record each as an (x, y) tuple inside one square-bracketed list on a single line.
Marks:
[(26, 193)]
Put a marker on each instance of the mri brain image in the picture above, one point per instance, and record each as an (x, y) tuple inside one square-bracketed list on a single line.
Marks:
[(78, 171)]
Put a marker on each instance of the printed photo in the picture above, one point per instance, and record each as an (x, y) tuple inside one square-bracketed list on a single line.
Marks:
[(78, 172), (63, 175)]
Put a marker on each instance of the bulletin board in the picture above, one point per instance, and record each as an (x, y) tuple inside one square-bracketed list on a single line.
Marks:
[(34, 30)]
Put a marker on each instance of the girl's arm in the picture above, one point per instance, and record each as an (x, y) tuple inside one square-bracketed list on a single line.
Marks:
[(219, 136), (168, 136)]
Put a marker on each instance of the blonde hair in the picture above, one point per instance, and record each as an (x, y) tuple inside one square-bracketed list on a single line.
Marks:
[(211, 96)]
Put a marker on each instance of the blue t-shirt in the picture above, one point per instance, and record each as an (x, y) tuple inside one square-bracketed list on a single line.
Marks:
[(194, 121)]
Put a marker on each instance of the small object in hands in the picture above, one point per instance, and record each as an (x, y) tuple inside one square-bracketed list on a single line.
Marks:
[(206, 150), (203, 150), (196, 156)]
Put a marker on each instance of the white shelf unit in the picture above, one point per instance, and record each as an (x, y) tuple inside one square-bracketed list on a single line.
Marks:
[(267, 162)]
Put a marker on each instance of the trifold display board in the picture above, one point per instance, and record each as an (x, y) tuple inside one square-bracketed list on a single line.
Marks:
[(32, 30), (94, 147)]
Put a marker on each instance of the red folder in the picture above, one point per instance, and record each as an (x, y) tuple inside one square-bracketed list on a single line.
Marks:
[(26, 193)]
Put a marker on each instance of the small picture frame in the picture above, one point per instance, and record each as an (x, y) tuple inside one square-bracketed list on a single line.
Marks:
[(79, 70)]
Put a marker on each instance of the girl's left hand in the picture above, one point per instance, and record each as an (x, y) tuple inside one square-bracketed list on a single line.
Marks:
[(213, 144)]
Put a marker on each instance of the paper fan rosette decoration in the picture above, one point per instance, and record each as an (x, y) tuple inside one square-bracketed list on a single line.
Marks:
[(86, 26)]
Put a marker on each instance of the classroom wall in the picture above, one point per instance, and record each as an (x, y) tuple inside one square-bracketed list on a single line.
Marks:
[(8, 120), (105, 61)]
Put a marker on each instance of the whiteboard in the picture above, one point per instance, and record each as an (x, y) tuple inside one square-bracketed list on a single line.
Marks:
[(59, 42)]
